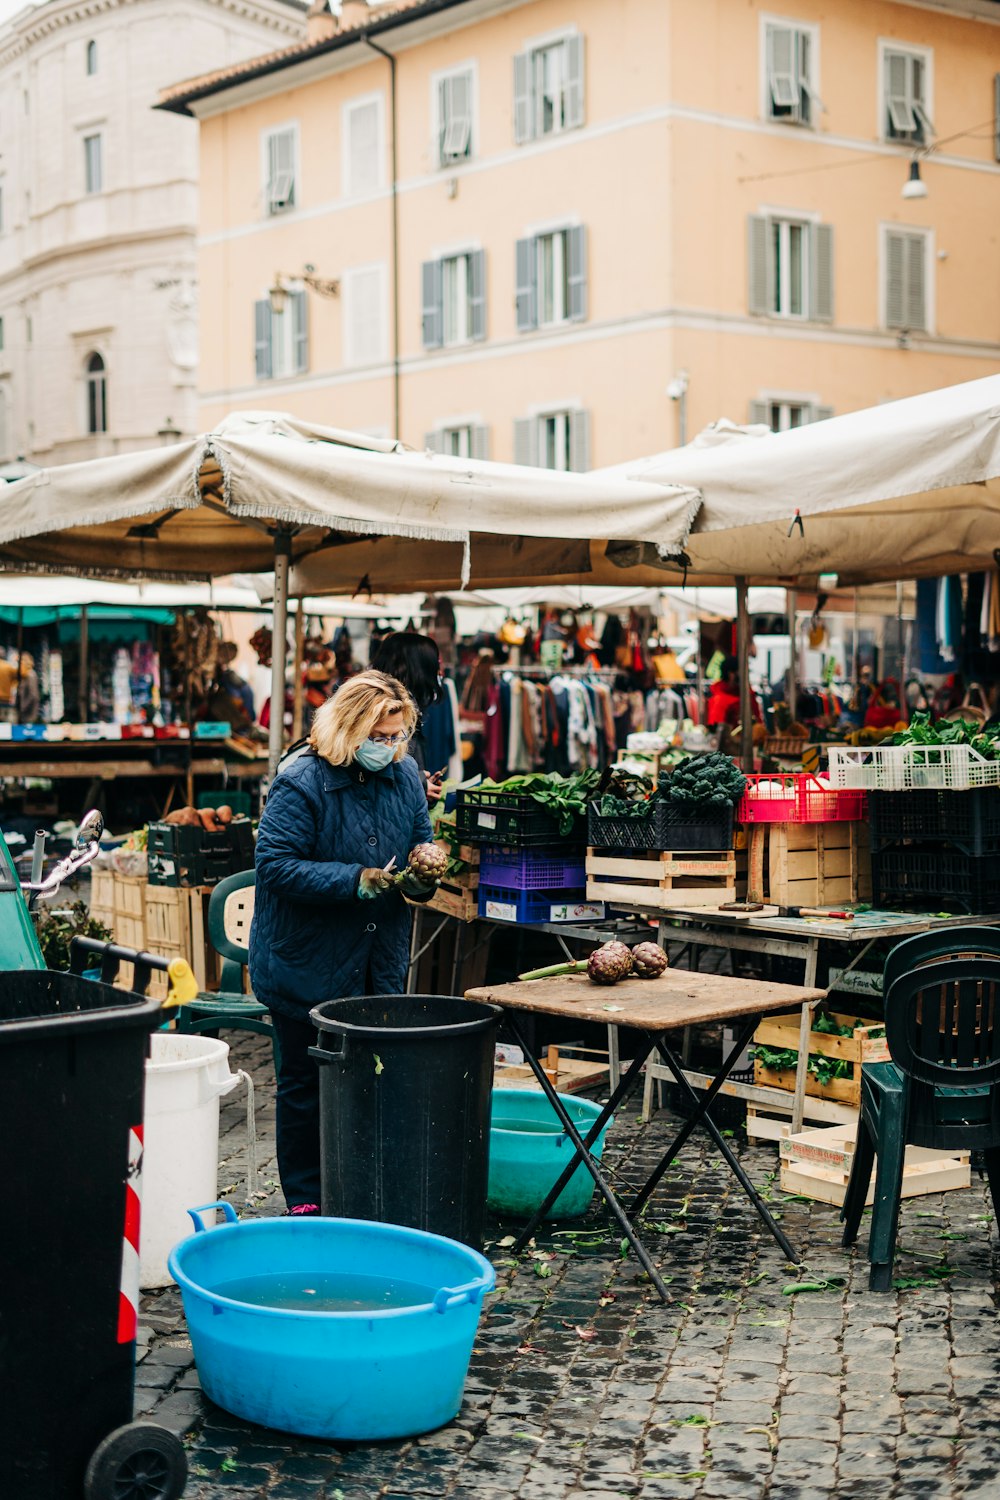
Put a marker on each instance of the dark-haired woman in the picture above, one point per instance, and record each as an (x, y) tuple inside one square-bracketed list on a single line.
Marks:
[(413, 660)]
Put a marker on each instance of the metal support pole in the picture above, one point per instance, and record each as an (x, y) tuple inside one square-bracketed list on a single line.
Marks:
[(83, 686), (791, 605), (743, 657), (298, 687), (279, 626)]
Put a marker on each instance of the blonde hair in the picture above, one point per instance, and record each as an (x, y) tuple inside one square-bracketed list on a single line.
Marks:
[(345, 721)]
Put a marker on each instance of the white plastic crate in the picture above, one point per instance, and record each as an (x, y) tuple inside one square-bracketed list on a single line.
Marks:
[(906, 768)]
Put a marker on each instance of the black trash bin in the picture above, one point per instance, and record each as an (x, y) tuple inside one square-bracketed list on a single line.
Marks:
[(72, 1056), (405, 1086)]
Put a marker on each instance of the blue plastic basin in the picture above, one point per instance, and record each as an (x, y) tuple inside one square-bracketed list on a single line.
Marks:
[(383, 1372), (529, 1150)]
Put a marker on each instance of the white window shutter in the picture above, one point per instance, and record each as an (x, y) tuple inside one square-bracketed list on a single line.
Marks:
[(574, 96), (898, 104), (895, 274), (822, 413), (457, 118), (579, 441), (477, 295), (527, 284), (364, 156), (782, 80), (281, 170), (262, 338), (760, 413), (434, 441), (916, 282), (761, 299), (821, 282), (300, 332), (480, 441), (432, 281), (576, 280), (523, 112), (526, 441)]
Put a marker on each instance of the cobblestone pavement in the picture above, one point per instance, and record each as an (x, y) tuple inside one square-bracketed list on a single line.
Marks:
[(584, 1387)]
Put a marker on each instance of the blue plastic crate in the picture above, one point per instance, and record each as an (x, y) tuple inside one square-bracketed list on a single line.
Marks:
[(531, 869), (501, 904)]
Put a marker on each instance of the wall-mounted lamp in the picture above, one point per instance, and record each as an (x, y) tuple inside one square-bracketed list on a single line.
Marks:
[(278, 293), (677, 390), (914, 186), (168, 433)]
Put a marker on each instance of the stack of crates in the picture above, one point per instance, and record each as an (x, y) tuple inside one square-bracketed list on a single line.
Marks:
[(936, 848), (529, 869), (187, 856)]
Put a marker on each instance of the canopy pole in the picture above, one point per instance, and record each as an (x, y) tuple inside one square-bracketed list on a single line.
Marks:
[(279, 627), (791, 605), (83, 686), (297, 683), (743, 658), (20, 665)]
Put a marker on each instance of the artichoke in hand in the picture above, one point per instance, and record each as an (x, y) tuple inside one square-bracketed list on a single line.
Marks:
[(427, 864)]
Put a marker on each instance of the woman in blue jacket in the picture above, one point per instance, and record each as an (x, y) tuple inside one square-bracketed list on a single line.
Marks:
[(329, 919)]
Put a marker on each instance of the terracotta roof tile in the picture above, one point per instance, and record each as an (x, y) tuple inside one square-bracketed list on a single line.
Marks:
[(213, 82)]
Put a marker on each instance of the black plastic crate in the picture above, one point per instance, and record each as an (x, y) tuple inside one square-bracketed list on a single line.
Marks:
[(512, 819), (931, 879), (970, 820), (665, 826), (184, 856)]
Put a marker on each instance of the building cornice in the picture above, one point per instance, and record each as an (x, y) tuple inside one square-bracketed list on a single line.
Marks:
[(964, 10), (36, 23)]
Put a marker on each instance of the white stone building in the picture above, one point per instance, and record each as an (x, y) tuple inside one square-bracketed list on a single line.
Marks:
[(99, 216)]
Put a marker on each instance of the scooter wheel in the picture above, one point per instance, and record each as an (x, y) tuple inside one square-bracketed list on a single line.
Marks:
[(140, 1461)]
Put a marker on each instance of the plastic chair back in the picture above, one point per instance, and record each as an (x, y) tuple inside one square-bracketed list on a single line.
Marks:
[(230, 912), (932, 947), (942, 1023)]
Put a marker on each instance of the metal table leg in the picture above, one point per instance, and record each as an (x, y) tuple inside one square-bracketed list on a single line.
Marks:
[(582, 1155)]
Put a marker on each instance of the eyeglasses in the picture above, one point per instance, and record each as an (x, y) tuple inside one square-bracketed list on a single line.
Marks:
[(390, 739)]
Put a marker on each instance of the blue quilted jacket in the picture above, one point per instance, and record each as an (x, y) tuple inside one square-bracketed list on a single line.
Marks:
[(312, 938)]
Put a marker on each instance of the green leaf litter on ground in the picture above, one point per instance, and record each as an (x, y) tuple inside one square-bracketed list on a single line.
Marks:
[(829, 1284), (379, 1065)]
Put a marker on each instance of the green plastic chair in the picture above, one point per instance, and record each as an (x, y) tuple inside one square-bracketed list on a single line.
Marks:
[(230, 910), (942, 1022)]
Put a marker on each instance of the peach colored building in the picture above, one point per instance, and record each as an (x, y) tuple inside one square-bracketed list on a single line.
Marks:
[(565, 231)]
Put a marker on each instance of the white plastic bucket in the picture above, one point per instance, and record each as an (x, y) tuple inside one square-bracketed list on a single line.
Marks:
[(186, 1075)]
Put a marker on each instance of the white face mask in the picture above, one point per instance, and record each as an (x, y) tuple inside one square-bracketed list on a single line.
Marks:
[(373, 756)]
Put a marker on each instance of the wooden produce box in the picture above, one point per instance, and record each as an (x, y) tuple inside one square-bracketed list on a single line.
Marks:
[(769, 1122), (177, 927), (817, 1164), (457, 895), (782, 1033), (818, 864), (102, 891), (571, 1075), (658, 881)]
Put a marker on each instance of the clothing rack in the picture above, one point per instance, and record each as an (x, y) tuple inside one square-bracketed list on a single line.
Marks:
[(602, 674)]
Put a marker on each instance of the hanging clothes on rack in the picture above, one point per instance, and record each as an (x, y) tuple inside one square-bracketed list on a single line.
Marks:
[(948, 622)]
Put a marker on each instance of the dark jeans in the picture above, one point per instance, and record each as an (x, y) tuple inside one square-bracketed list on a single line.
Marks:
[(297, 1112)]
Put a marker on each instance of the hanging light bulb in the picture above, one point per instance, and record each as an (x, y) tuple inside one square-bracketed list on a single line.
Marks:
[(914, 186)]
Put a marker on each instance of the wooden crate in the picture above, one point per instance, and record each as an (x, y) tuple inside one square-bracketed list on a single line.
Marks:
[(129, 895), (817, 1164), (645, 762), (657, 881), (571, 1075), (177, 927), (768, 1122), (102, 891), (782, 1033), (818, 864)]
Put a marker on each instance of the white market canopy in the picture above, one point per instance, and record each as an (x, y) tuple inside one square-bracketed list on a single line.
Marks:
[(209, 507), (909, 489)]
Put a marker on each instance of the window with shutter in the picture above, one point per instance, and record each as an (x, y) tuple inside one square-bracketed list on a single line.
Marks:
[(576, 274), (363, 150), (480, 441), (782, 415), (549, 92), (93, 165), (906, 86), (455, 117), (300, 332), (526, 441), (466, 440), (579, 441), (432, 304), (527, 285), (364, 315), (280, 151), (906, 272), (789, 89), (477, 295), (790, 268), (262, 338)]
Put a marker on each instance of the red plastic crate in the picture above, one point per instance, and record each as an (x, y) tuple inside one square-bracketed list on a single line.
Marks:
[(799, 798)]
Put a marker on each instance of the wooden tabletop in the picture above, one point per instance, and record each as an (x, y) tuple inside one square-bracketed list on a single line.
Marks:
[(678, 998), (860, 929)]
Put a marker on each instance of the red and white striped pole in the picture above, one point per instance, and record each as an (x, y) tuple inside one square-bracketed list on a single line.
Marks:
[(128, 1296)]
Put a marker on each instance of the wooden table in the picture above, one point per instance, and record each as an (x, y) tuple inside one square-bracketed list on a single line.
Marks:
[(655, 1007), (799, 937)]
